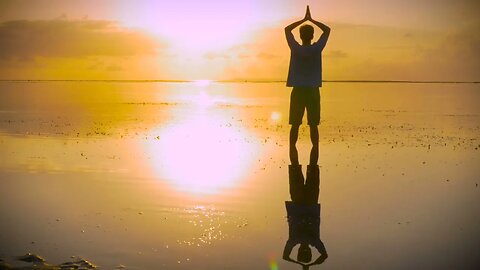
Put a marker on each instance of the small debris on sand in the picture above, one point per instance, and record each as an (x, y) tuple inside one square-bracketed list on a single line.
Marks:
[(29, 257), (79, 264), (39, 263)]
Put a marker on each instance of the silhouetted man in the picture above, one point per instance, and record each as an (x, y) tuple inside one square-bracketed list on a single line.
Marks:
[(305, 76), (303, 213)]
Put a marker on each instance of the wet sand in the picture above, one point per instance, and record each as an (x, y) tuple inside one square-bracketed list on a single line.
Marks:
[(186, 175)]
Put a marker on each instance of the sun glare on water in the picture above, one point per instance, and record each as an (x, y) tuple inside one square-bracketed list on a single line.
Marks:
[(202, 154)]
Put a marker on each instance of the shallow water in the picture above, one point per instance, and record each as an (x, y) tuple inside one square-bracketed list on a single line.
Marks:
[(195, 175)]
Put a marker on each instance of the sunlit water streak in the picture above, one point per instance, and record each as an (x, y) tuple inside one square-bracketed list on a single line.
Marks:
[(204, 153)]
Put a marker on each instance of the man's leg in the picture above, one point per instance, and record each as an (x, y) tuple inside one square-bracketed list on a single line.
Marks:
[(314, 138), (296, 182), (313, 115), (297, 108), (312, 184), (293, 142)]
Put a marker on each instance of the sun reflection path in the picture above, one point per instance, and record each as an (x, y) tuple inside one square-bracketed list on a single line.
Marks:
[(203, 154)]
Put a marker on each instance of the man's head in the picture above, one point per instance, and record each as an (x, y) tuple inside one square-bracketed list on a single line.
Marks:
[(304, 253), (306, 33)]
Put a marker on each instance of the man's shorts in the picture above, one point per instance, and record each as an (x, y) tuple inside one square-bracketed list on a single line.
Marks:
[(303, 98)]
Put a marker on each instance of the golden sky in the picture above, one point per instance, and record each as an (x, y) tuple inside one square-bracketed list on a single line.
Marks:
[(188, 39)]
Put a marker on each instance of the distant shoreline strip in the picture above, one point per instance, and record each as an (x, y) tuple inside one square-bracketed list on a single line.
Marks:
[(242, 81)]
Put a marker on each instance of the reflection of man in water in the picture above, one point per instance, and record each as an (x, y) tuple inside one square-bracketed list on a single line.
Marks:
[(305, 76), (303, 214)]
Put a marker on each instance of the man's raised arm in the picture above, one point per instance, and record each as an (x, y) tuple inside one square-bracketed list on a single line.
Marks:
[(326, 32), (292, 26), (288, 31), (287, 250)]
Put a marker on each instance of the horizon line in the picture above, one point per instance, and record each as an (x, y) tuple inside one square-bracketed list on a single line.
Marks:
[(229, 81)]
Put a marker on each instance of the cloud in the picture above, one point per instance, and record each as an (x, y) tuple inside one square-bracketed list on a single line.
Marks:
[(368, 52), (266, 55), (115, 68), (214, 55), (25, 40), (456, 56), (102, 49), (335, 54)]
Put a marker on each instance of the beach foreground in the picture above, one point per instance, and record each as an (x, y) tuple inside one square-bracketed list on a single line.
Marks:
[(195, 175)]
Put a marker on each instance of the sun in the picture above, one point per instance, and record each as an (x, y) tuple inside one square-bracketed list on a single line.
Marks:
[(196, 26)]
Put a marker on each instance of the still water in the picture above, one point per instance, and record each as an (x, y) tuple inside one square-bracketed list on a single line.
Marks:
[(196, 176)]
